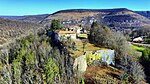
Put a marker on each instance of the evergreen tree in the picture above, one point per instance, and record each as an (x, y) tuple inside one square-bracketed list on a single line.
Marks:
[(94, 24), (55, 25)]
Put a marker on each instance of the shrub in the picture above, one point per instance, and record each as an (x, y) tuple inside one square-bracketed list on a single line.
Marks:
[(94, 24), (125, 78), (30, 38), (105, 28), (16, 71), (55, 24), (29, 57), (81, 81), (147, 40), (51, 70), (145, 61), (146, 54), (104, 64), (137, 73)]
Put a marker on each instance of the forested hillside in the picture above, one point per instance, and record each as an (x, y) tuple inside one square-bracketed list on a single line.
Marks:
[(33, 53), (11, 30), (27, 18), (144, 13), (32, 60)]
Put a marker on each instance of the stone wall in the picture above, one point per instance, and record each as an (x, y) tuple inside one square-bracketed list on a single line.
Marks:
[(107, 56), (80, 63)]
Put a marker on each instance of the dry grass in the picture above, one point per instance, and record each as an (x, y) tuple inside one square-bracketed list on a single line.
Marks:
[(76, 53), (88, 46), (102, 74), (79, 47), (102, 70), (96, 74)]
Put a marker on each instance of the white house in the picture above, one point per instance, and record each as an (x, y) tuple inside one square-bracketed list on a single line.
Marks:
[(78, 31), (138, 39)]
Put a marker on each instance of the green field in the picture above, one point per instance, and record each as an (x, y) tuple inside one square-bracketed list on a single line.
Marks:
[(139, 49)]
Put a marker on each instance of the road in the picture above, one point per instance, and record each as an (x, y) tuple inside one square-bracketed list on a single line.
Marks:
[(140, 44)]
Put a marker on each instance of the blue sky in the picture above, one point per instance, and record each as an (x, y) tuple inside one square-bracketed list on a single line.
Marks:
[(32, 7)]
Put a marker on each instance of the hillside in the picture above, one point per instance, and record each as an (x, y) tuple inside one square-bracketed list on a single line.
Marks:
[(144, 13), (27, 18), (52, 57), (113, 18), (118, 19), (11, 30)]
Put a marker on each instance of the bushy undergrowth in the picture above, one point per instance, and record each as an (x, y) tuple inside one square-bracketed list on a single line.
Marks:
[(124, 57)]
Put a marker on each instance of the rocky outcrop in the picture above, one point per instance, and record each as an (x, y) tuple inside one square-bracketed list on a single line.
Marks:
[(80, 64)]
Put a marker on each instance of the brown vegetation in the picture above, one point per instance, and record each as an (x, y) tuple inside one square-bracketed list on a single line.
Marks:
[(102, 75), (10, 30), (71, 16)]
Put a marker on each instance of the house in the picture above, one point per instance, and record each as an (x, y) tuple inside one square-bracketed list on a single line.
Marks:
[(80, 31), (71, 28), (138, 39), (66, 34), (75, 28)]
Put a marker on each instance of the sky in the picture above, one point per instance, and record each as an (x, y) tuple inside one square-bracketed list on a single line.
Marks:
[(34, 7)]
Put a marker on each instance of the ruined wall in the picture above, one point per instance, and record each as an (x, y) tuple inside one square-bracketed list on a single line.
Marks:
[(107, 56), (81, 62)]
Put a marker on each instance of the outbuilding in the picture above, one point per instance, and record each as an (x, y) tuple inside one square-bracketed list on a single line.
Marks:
[(138, 39)]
